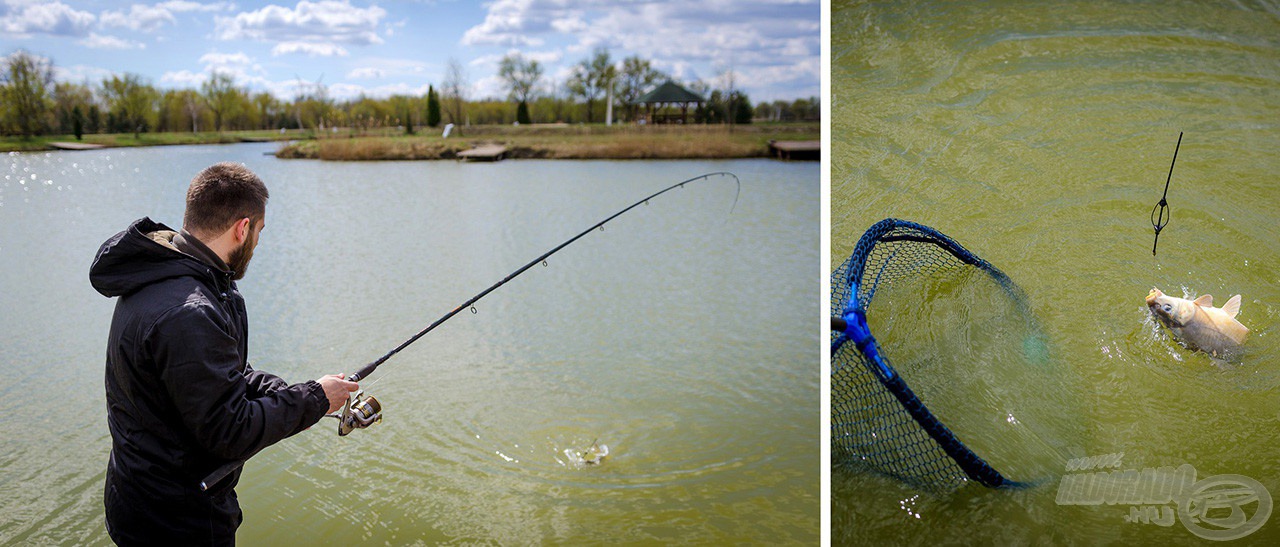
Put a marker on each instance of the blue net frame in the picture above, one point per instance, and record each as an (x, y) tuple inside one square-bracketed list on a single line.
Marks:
[(877, 421)]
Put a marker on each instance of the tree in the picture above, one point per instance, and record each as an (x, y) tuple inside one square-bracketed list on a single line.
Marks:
[(522, 114), (67, 97), (521, 76), (311, 105), (401, 106), (742, 111), (730, 110), (455, 93), (95, 119), (591, 78), (433, 107), (130, 101), (77, 122), (175, 114), (193, 105), (268, 110), (222, 97), (636, 78), (24, 93)]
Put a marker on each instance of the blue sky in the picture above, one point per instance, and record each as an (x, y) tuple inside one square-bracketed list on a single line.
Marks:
[(400, 46)]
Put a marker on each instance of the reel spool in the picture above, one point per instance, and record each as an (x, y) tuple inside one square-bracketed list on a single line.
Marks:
[(359, 413)]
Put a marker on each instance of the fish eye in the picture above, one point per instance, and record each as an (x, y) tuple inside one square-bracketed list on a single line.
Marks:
[(1168, 308)]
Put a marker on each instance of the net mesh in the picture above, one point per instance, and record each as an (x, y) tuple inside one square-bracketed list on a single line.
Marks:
[(877, 421)]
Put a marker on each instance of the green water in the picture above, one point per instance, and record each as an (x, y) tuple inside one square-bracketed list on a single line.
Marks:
[(681, 336), (1039, 136)]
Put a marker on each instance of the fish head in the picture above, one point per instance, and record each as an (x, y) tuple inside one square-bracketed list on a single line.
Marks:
[(1172, 311)]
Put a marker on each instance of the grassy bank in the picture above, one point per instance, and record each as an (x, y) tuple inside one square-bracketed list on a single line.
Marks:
[(562, 142), (33, 144), (529, 141)]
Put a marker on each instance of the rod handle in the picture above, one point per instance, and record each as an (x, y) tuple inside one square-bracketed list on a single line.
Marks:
[(219, 474)]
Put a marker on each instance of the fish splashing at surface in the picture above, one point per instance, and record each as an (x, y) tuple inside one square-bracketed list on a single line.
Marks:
[(591, 456), (1198, 324)]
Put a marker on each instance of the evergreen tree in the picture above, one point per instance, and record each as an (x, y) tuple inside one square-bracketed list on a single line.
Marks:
[(433, 107), (95, 119), (742, 109), (522, 114), (77, 121)]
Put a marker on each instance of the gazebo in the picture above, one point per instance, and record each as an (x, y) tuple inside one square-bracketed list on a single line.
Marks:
[(669, 94)]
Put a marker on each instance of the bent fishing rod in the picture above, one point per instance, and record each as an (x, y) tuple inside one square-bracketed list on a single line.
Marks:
[(361, 411)]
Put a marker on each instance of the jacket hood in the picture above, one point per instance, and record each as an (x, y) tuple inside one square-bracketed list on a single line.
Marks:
[(133, 259)]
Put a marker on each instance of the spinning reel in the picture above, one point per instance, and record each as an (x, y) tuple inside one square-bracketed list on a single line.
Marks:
[(359, 412)]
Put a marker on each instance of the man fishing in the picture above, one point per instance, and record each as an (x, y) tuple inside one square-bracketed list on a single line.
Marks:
[(182, 399)]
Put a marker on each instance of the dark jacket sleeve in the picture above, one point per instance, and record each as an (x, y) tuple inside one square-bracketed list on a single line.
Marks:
[(262, 383), (200, 368)]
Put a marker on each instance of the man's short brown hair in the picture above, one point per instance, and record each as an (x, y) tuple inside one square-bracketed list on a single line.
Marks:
[(221, 195)]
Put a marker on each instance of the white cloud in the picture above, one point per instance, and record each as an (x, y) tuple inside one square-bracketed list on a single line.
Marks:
[(310, 48), (510, 23), (98, 41), (22, 18), (242, 68), (222, 59), (366, 73), (186, 5), (347, 92), (80, 74), (770, 38), (314, 28), (184, 78), (491, 87), (140, 17)]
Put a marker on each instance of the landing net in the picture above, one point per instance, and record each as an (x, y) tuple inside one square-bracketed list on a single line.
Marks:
[(877, 420)]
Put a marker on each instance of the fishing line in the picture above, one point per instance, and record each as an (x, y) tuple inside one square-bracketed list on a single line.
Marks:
[(1159, 222), (367, 410), (469, 304)]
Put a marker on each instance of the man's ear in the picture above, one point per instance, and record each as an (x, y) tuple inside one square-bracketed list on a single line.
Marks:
[(242, 229)]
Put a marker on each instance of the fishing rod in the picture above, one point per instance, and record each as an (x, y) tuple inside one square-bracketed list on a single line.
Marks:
[(361, 411)]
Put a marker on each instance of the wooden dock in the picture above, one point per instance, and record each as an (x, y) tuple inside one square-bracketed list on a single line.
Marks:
[(484, 152), (75, 146), (796, 150)]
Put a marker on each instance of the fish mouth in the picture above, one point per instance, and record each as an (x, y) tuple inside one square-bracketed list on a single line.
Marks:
[(1152, 296)]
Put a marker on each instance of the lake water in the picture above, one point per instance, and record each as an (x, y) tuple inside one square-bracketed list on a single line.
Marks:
[(683, 336), (1040, 137)]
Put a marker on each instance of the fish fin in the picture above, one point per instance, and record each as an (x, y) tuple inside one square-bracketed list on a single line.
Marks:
[(1232, 308), (1204, 301)]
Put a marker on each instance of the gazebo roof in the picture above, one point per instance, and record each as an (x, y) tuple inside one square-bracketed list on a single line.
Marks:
[(670, 92)]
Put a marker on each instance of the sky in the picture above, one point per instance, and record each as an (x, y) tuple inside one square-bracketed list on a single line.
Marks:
[(381, 48)]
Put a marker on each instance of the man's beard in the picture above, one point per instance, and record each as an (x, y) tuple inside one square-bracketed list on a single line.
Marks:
[(239, 260)]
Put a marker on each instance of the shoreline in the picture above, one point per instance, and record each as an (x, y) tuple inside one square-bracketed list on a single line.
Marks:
[(551, 141)]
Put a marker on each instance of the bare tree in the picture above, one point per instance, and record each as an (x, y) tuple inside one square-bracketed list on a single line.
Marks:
[(193, 106), (454, 92)]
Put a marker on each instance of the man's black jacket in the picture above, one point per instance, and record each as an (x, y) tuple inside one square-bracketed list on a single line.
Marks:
[(181, 397)]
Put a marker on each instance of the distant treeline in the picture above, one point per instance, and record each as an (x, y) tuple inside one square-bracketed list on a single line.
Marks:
[(32, 103)]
